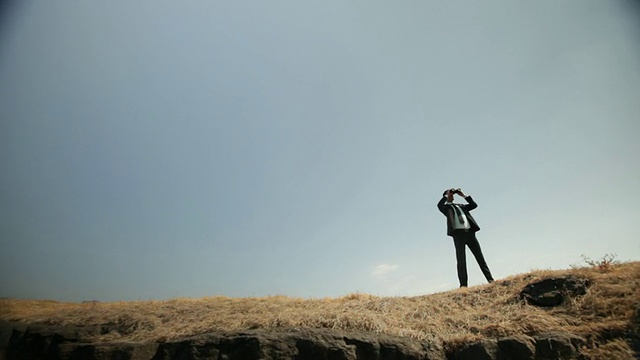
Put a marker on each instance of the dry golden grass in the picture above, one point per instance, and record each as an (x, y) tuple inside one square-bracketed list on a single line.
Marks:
[(463, 315)]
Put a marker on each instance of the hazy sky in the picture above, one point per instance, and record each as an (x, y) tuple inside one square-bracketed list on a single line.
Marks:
[(160, 149)]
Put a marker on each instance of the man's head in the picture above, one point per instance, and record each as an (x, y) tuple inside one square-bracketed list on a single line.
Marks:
[(449, 194)]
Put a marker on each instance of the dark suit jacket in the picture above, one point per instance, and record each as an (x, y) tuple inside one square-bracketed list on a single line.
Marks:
[(447, 210)]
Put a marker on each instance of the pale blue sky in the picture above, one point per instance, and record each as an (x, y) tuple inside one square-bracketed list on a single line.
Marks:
[(155, 149)]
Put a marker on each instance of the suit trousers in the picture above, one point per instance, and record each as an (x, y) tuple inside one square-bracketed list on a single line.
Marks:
[(461, 239)]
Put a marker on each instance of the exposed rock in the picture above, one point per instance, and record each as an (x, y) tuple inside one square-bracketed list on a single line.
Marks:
[(516, 348), (312, 344), (53, 343), (482, 350), (552, 291), (376, 346), (109, 351), (553, 346), (556, 346), (6, 331), (38, 342)]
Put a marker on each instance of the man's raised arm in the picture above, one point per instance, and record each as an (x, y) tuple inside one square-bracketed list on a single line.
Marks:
[(471, 204), (441, 206)]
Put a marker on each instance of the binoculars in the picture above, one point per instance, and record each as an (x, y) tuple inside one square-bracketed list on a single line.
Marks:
[(454, 190)]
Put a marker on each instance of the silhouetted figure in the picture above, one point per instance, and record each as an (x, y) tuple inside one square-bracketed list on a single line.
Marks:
[(462, 227)]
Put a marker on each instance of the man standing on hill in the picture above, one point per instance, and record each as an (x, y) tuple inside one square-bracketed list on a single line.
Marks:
[(462, 227)]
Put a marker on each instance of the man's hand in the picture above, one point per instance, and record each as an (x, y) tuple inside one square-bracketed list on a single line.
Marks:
[(461, 193)]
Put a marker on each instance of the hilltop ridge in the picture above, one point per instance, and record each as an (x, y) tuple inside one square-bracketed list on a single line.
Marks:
[(599, 320)]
